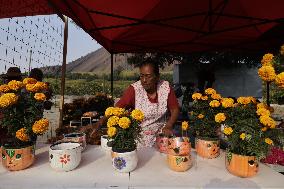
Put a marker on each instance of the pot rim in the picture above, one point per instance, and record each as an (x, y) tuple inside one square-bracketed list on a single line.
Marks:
[(61, 142), (77, 134), (207, 138)]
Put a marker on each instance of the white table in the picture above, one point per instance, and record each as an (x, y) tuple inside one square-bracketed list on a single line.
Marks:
[(96, 171)]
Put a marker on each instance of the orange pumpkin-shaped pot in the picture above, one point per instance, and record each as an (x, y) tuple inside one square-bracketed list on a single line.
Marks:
[(162, 143), (18, 159), (241, 166), (179, 146), (207, 148), (179, 163)]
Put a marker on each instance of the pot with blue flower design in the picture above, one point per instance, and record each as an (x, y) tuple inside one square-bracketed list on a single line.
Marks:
[(15, 159), (124, 162)]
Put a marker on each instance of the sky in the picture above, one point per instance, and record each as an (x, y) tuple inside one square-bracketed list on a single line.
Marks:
[(29, 42)]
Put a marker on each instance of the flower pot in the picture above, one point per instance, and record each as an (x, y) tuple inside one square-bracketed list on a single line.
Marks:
[(104, 142), (15, 159), (76, 137), (124, 162), (241, 166), (65, 156), (179, 146), (179, 163), (162, 143), (207, 148)]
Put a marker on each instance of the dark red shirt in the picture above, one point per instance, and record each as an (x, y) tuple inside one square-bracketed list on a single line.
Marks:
[(128, 99)]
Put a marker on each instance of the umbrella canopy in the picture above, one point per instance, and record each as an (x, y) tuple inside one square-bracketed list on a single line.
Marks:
[(166, 25)]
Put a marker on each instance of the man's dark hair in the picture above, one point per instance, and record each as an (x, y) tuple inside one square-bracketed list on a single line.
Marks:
[(152, 63), (37, 74)]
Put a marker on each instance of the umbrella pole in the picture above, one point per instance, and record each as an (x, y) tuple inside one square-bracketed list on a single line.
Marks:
[(63, 71), (111, 75), (267, 94)]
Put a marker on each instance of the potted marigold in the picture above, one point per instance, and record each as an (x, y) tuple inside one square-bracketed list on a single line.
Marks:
[(249, 133), (124, 134), (22, 105), (207, 117)]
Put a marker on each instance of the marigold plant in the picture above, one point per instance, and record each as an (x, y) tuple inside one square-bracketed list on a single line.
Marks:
[(123, 128), (22, 106)]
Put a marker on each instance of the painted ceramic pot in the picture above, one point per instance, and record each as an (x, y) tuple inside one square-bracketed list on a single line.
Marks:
[(124, 162), (209, 148), (179, 146), (241, 166), (65, 156), (76, 137), (179, 163), (15, 159), (162, 143), (104, 142)]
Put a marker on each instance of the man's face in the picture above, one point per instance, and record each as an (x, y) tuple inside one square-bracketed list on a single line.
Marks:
[(148, 78)]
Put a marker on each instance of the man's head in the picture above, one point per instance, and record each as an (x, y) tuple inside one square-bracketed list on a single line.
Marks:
[(37, 74), (149, 75), (13, 73)]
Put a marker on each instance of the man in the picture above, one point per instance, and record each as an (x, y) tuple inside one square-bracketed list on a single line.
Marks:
[(155, 98)]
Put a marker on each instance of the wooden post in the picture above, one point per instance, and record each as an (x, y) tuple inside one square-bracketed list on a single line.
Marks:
[(31, 52), (63, 71), (111, 75)]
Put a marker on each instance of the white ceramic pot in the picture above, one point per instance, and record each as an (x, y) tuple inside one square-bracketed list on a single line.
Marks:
[(65, 156), (124, 162), (76, 137), (104, 142)]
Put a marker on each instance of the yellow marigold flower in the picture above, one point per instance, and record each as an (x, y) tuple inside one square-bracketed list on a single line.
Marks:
[(262, 112), (282, 50), (196, 96), (29, 81), (210, 91), (261, 105), (30, 87), (268, 141), (40, 86), (40, 126), (137, 115), (267, 59), (227, 102), (124, 122), (112, 121), (243, 136), (279, 80), (252, 99), (216, 96), (8, 99), (22, 135), (264, 129), (214, 103), (220, 117), (111, 131), (267, 73), (228, 130), (184, 125), (118, 111), (15, 85), (4, 88), (204, 98), (267, 121), (244, 100), (200, 116), (40, 97), (109, 111)]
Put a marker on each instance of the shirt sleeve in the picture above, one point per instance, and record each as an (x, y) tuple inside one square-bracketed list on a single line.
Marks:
[(127, 100), (172, 100)]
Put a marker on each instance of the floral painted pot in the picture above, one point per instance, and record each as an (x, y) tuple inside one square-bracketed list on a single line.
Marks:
[(76, 137), (179, 146), (207, 148), (241, 166), (162, 143), (124, 162), (15, 159), (104, 142), (65, 156), (179, 163)]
